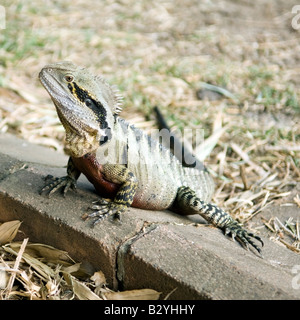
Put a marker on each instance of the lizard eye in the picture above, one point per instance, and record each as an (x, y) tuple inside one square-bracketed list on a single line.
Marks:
[(88, 102), (69, 78)]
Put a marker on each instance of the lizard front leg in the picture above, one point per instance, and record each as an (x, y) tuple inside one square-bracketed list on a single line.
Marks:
[(189, 203), (67, 182), (118, 174)]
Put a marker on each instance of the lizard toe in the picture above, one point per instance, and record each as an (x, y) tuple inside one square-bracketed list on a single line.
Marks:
[(243, 236), (57, 183), (106, 209)]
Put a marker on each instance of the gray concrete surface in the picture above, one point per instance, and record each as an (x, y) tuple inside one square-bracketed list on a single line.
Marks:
[(158, 250)]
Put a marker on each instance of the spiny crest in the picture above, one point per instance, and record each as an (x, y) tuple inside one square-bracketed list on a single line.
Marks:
[(113, 95), (118, 99)]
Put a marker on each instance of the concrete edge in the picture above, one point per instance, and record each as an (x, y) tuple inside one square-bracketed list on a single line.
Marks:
[(149, 249)]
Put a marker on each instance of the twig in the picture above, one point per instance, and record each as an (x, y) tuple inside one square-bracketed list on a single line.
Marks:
[(295, 167), (168, 295), (246, 158), (243, 176), (289, 246), (282, 148), (268, 225), (16, 267), (286, 229)]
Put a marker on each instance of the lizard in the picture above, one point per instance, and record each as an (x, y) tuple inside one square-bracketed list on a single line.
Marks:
[(127, 167)]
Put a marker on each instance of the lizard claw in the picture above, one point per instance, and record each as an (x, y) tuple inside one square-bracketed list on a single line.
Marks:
[(242, 235), (64, 182), (106, 208)]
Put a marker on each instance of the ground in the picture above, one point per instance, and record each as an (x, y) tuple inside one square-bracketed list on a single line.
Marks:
[(161, 53)]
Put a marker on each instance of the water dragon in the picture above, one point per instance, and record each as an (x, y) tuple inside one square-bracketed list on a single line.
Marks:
[(122, 162)]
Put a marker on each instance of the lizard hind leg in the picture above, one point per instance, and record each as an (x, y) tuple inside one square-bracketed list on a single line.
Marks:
[(189, 203)]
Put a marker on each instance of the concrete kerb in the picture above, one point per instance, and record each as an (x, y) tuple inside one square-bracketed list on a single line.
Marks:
[(157, 250)]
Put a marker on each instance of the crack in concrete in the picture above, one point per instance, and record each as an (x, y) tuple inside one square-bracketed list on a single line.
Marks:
[(124, 248)]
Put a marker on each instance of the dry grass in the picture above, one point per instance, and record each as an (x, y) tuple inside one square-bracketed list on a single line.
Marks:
[(40, 272), (161, 53)]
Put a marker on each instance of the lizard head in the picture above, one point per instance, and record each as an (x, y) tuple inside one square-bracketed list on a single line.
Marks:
[(85, 103)]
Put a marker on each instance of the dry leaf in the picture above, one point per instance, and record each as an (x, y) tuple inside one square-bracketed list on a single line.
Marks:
[(80, 289), (142, 294), (73, 268), (28, 284), (205, 148), (44, 271), (39, 250), (8, 231), (52, 288), (99, 279)]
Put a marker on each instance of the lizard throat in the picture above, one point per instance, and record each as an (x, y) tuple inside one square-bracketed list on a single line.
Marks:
[(79, 143)]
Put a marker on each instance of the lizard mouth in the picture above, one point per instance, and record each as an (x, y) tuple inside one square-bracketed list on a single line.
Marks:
[(52, 85)]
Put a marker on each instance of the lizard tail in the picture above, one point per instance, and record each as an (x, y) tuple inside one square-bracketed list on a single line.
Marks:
[(183, 154)]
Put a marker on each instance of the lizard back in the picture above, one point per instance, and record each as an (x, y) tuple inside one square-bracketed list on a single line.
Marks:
[(158, 171)]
